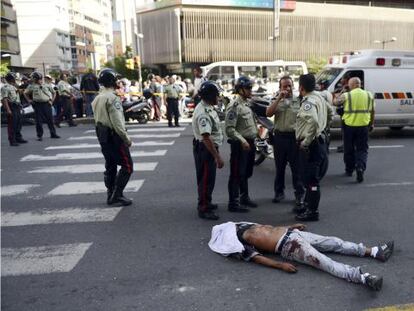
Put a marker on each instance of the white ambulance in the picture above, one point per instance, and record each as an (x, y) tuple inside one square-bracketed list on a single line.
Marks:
[(388, 75)]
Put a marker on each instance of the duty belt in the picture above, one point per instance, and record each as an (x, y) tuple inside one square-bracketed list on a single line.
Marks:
[(284, 240)]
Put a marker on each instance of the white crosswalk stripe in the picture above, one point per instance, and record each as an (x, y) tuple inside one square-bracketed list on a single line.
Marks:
[(41, 259), (11, 190), (60, 216), (72, 188), (141, 130), (89, 168), (93, 137), (86, 146)]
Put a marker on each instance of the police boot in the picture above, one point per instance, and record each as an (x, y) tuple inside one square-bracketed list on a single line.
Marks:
[(120, 184), (312, 199), (234, 201), (244, 196), (299, 207), (109, 180)]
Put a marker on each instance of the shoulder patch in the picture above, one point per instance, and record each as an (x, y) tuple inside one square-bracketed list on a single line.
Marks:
[(231, 115), (307, 106), (118, 105), (203, 122)]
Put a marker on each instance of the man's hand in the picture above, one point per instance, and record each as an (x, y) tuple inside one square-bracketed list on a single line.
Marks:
[(246, 146), (282, 94), (219, 161), (129, 144), (371, 127), (288, 267), (300, 227)]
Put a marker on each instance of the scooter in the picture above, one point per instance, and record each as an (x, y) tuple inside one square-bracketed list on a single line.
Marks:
[(139, 110)]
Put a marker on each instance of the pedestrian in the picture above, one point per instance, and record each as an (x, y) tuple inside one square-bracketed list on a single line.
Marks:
[(89, 87), (11, 102), (156, 89), (65, 97), (171, 98), (24, 83), (41, 99), (285, 108), (78, 98), (358, 119), (113, 138), (310, 124), (241, 129), (208, 137), (198, 80), (343, 88)]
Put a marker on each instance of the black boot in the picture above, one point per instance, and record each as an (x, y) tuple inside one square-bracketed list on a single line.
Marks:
[(109, 180), (120, 184), (246, 201), (244, 195)]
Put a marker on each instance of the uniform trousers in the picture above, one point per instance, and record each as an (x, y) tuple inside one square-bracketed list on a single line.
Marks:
[(241, 169), (313, 160), (206, 174), (14, 123), (172, 109), (355, 147), (156, 105), (67, 110), (43, 113), (286, 151)]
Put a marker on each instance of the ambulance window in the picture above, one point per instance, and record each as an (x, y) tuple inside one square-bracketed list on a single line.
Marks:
[(328, 76), (351, 74)]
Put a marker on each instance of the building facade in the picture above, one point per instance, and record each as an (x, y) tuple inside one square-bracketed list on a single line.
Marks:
[(10, 47)]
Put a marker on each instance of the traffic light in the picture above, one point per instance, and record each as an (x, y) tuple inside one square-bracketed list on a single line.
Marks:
[(137, 61), (129, 63)]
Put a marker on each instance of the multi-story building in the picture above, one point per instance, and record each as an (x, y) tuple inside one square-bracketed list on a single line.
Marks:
[(10, 48)]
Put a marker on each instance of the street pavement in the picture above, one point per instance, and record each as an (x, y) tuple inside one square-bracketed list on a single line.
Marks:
[(63, 248)]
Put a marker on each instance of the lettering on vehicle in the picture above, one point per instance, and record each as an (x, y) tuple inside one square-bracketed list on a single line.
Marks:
[(406, 102)]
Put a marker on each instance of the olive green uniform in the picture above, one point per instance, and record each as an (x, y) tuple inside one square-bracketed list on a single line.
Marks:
[(65, 94), (10, 94), (205, 121), (172, 94)]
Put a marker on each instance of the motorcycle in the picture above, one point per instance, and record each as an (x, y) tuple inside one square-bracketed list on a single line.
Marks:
[(139, 110)]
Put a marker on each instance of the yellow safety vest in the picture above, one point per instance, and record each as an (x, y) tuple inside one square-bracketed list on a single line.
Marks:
[(358, 107)]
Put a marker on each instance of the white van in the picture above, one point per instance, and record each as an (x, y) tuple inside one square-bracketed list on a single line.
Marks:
[(267, 72), (388, 75)]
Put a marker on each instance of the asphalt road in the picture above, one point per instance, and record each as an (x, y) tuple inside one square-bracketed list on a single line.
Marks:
[(72, 252)]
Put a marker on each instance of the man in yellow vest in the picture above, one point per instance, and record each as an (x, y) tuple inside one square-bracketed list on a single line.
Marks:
[(358, 120)]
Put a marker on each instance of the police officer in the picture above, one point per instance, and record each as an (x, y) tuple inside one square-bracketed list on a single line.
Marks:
[(41, 100), (11, 103), (284, 108), (358, 120), (113, 138), (310, 124), (208, 136), (65, 97), (171, 96), (241, 129)]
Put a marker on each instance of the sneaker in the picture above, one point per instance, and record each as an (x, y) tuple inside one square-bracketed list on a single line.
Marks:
[(360, 176), (278, 197), (237, 209), (54, 136), (249, 203), (209, 215), (385, 251), (308, 215), (373, 282)]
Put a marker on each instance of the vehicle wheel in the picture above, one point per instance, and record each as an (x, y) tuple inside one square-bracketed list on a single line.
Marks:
[(143, 118), (396, 128), (259, 158)]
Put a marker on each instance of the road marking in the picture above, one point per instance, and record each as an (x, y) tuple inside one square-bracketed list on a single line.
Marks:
[(406, 307), (41, 259), (86, 146), (7, 191), (138, 130), (71, 188), (378, 147), (89, 168), (385, 184), (92, 137), (63, 216)]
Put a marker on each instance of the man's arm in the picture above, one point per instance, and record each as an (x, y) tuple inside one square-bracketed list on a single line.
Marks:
[(207, 141), (268, 262), (272, 108), (26, 93), (230, 125), (339, 99), (300, 227), (6, 105)]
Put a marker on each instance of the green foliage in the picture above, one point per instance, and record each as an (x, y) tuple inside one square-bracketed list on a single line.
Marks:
[(315, 64), (54, 73), (4, 69), (119, 65)]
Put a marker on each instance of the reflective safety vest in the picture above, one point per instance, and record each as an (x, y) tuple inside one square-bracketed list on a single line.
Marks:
[(358, 107)]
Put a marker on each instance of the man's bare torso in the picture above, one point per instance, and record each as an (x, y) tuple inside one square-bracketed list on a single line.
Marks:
[(264, 237)]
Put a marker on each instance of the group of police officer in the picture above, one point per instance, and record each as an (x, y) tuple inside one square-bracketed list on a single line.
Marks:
[(301, 126)]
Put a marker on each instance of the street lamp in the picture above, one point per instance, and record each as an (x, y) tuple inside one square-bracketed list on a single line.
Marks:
[(393, 39)]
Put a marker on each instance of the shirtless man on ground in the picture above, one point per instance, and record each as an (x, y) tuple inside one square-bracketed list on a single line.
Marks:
[(293, 243)]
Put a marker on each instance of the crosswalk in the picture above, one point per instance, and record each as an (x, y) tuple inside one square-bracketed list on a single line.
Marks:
[(150, 144)]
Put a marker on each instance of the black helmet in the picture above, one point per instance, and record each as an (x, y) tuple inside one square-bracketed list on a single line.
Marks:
[(36, 75), (243, 83), (10, 77), (209, 91), (108, 77), (147, 93)]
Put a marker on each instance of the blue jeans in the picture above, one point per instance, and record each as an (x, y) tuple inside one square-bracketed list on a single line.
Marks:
[(88, 100)]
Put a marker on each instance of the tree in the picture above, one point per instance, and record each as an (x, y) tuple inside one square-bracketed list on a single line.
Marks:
[(4, 69), (119, 65), (316, 64)]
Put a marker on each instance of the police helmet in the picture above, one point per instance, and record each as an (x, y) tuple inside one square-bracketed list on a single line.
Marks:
[(209, 91), (36, 76), (10, 77), (243, 83), (147, 93), (108, 77)]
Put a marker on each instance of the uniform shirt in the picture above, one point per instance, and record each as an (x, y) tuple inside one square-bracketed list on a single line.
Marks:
[(64, 88), (107, 109), (285, 114), (10, 92), (311, 119), (172, 91), (206, 121), (240, 122), (40, 93), (51, 88)]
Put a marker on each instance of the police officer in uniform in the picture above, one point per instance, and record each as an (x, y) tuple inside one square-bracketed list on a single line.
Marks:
[(284, 108), (310, 124), (11, 103), (358, 120), (42, 99), (171, 96), (208, 136), (113, 138), (65, 97), (241, 129)]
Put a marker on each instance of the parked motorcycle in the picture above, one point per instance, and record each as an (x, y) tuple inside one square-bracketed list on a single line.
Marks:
[(139, 110)]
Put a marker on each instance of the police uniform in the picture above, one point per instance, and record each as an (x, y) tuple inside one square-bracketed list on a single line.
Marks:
[(172, 92), (310, 124), (205, 121), (285, 147), (42, 105), (14, 121), (240, 127), (114, 140), (358, 106), (64, 90)]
